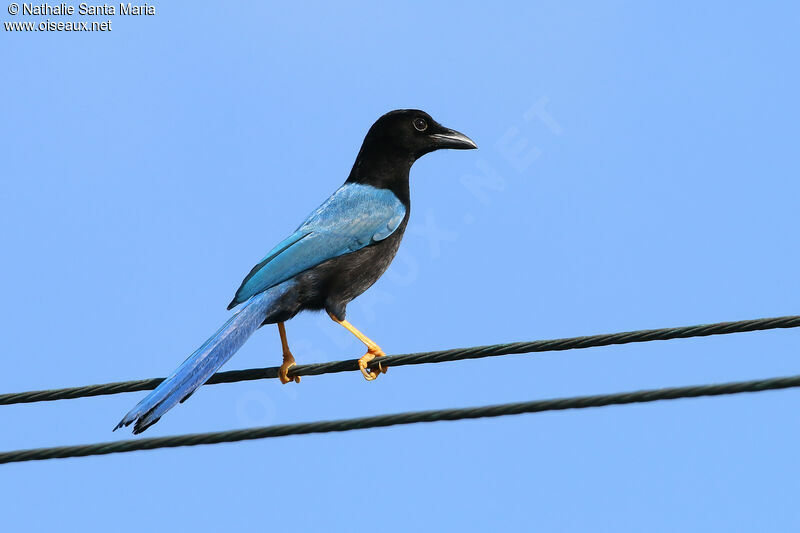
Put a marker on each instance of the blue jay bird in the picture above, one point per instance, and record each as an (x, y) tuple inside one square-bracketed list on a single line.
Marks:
[(340, 250)]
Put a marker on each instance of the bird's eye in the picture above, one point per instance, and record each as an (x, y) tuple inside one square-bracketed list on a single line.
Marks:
[(420, 124)]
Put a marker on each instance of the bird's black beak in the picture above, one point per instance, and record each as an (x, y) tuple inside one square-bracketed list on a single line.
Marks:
[(448, 138)]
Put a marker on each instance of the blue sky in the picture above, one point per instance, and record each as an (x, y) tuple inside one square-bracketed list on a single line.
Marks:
[(637, 168)]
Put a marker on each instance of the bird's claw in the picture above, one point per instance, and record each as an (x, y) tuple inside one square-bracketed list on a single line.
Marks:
[(283, 371), (363, 364)]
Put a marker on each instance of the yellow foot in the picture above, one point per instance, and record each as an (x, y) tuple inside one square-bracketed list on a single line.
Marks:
[(364, 361), (283, 371)]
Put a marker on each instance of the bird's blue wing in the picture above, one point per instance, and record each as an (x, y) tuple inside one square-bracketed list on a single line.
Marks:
[(355, 216)]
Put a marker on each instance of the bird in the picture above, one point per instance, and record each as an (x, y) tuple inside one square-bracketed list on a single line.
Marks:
[(337, 253)]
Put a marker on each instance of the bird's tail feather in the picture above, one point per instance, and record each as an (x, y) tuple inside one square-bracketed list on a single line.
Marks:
[(204, 362)]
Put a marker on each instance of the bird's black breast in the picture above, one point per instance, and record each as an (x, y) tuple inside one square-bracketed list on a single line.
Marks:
[(333, 284)]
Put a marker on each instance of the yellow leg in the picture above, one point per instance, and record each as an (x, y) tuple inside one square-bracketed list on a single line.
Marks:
[(373, 350), (288, 358)]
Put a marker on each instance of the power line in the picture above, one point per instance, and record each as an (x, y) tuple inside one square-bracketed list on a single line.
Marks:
[(538, 406), (477, 352)]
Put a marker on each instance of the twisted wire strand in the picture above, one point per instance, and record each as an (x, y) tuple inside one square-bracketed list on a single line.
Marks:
[(538, 406), (458, 354)]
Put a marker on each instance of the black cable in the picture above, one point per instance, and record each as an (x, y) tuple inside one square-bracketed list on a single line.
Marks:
[(458, 354), (579, 402)]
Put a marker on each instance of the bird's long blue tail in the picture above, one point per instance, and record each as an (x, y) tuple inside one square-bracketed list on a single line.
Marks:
[(205, 361)]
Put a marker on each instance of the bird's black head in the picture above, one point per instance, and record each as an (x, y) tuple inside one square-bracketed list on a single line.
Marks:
[(413, 133), (395, 141)]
